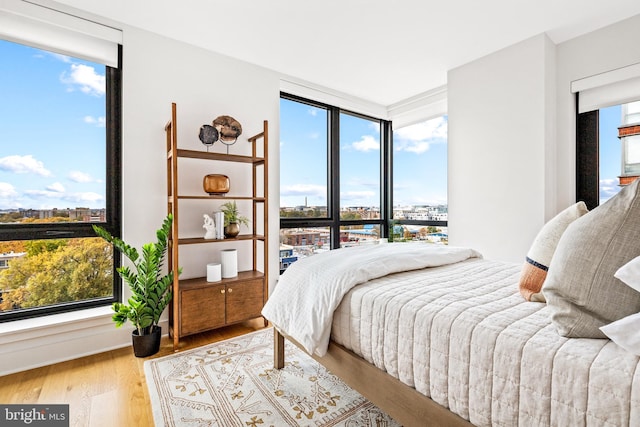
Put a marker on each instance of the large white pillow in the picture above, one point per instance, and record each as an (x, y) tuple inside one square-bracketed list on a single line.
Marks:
[(625, 332), (630, 273)]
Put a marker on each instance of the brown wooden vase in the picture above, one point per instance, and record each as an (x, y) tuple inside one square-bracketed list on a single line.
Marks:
[(215, 184)]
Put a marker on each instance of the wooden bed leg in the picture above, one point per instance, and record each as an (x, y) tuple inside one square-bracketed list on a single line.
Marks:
[(278, 349)]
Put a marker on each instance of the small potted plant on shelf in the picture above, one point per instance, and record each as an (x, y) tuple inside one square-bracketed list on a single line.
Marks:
[(150, 289), (232, 219)]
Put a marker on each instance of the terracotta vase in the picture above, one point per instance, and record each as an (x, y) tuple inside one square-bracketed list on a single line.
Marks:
[(231, 230)]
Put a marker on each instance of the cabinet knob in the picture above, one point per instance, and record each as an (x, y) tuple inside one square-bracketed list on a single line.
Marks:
[(222, 291), (230, 290)]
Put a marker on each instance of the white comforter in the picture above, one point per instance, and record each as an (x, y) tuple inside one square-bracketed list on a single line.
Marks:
[(307, 294), (462, 335)]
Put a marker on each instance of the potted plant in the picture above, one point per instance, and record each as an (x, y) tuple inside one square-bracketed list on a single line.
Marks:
[(232, 219), (150, 289)]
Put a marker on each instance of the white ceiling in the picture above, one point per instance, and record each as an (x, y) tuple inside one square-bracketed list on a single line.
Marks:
[(382, 51)]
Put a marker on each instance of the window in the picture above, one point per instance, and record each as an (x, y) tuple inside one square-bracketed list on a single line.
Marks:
[(337, 175), (607, 122), (420, 181), (608, 142), (303, 142), (59, 174), (360, 171)]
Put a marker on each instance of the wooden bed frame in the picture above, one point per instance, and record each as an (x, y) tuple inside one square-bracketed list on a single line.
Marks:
[(403, 403)]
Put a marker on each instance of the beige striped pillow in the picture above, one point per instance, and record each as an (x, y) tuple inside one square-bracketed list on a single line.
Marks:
[(534, 270)]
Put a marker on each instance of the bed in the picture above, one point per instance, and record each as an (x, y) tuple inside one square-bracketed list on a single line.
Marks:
[(438, 335)]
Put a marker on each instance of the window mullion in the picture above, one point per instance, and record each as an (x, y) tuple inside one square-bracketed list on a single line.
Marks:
[(334, 175), (386, 175)]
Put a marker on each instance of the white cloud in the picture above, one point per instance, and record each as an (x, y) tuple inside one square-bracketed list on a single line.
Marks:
[(356, 195), (7, 190), (608, 188), (82, 177), (56, 187), (99, 121), (86, 78), (60, 57), (313, 111), (418, 137), (78, 198), (23, 164), (87, 197), (367, 143), (434, 128), (417, 147), (9, 197), (304, 190)]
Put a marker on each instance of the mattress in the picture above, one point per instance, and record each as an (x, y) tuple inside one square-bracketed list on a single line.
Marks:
[(462, 335)]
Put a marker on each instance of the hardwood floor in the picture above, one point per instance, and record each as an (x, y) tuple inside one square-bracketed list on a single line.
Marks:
[(105, 389)]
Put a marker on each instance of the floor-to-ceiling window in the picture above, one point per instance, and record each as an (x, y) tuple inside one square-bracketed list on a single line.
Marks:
[(59, 173), (420, 210), (347, 179)]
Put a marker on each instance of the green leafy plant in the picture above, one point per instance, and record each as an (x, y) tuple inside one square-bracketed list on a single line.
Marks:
[(231, 214), (151, 290)]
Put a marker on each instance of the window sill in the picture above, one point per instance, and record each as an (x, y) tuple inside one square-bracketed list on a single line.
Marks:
[(20, 330)]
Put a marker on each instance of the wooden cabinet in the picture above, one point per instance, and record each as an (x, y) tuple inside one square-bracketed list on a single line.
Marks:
[(197, 304)]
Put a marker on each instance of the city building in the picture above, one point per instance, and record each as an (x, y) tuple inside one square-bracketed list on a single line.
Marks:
[(629, 135)]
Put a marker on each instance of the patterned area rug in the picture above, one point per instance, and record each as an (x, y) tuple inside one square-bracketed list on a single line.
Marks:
[(233, 383)]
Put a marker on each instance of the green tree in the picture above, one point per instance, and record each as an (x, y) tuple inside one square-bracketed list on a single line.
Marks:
[(37, 247), (58, 272), (348, 216)]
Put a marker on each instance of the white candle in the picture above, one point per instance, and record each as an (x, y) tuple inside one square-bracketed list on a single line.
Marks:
[(214, 272), (229, 259)]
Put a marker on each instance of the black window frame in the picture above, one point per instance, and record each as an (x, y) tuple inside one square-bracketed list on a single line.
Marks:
[(333, 220), (113, 222)]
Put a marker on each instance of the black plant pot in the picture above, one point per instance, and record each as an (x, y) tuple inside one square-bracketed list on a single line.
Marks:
[(146, 345)]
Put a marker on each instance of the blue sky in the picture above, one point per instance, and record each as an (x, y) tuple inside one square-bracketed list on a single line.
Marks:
[(420, 159), (610, 151), (419, 155), (52, 143), (52, 130)]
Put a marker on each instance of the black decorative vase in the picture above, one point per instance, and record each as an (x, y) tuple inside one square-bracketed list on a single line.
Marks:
[(146, 345)]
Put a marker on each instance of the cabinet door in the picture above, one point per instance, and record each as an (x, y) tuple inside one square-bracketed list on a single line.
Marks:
[(244, 300), (201, 309)]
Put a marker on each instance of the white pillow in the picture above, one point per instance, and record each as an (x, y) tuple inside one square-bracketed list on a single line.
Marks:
[(630, 273), (625, 332)]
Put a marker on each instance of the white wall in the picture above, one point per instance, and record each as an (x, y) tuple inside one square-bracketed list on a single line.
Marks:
[(512, 135), (604, 50), (511, 158), (156, 72), (499, 137)]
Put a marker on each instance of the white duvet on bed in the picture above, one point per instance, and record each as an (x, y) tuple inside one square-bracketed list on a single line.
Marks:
[(462, 335), (307, 294)]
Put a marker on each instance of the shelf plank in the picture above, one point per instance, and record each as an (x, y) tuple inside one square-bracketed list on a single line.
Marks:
[(257, 199), (197, 240), (242, 276), (194, 154)]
